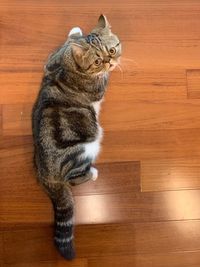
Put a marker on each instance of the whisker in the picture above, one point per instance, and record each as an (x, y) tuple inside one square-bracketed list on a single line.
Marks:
[(120, 67), (129, 59), (121, 70)]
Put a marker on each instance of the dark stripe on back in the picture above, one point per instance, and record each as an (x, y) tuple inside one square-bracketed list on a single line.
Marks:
[(60, 141)]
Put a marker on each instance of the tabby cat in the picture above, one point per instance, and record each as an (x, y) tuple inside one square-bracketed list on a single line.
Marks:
[(65, 124)]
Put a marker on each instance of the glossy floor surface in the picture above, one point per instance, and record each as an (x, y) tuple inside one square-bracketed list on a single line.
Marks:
[(144, 210)]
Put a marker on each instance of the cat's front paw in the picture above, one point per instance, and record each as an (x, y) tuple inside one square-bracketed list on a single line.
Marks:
[(94, 173)]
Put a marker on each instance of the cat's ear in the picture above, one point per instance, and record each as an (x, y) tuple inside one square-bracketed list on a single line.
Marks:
[(103, 26), (78, 53), (76, 31), (103, 22)]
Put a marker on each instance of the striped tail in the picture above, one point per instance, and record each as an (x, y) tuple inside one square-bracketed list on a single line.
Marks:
[(63, 238)]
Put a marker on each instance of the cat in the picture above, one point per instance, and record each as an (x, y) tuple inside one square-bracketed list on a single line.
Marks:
[(66, 131)]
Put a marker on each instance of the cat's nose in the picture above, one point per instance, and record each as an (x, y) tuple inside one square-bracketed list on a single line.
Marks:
[(107, 59)]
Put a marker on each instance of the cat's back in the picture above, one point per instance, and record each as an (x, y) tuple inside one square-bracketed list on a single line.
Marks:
[(63, 116)]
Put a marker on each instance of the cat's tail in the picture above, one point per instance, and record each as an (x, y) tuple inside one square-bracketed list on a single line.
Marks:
[(64, 209), (61, 196)]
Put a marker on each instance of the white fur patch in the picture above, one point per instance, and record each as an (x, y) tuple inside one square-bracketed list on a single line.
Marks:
[(92, 149), (94, 172), (75, 30), (97, 106)]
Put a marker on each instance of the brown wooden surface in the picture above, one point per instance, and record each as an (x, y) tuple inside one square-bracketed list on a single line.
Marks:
[(145, 208), (193, 84), (178, 259), (170, 174), (117, 239), (57, 263), (104, 208)]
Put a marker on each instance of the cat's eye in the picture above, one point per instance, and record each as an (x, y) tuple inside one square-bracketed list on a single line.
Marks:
[(112, 51), (98, 61)]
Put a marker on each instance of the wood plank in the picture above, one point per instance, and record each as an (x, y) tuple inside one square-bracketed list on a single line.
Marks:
[(129, 145), (116, 177), (155, 144), (171, 42), (138, 207), (27, 246), (150, 121), (111, 175), (1, 120), (19, 178), (104, 240), (183, 259), (139, 84), (150, 115), (193, 84), (1, 247), (103, 208), (170, 174), (17, 119), (19, 87), (139, 238), (20, 159), (9, 142), (124, 116), (134, 145), (57, 263)]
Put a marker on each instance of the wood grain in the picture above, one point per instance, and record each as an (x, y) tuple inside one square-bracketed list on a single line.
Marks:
[(17, 119), (110, 175), (150, 144), (150, 118), (170, 174), (151, 115), (17, 206), (140, 238), (10, 142), (25, 245), (170, 42), (117, 177), (19, 210), (193, 84), (1, 247), (57, 263), (132, 84), (138, 207), (124, 116), (19, 87), (137, 83), (1, 119), (183, 259)]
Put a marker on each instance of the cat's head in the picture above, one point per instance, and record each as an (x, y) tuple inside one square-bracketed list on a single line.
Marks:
[(98, 52)]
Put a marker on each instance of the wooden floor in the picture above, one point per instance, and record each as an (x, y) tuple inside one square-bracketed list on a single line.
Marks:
[(144, 210)]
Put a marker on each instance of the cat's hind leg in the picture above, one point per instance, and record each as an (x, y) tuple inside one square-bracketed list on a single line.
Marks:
[(92, 174)]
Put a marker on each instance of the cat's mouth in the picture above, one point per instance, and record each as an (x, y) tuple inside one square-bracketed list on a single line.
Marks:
[(111, 65)]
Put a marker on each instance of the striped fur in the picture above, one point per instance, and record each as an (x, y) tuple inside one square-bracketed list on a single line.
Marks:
[(66, 130)]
